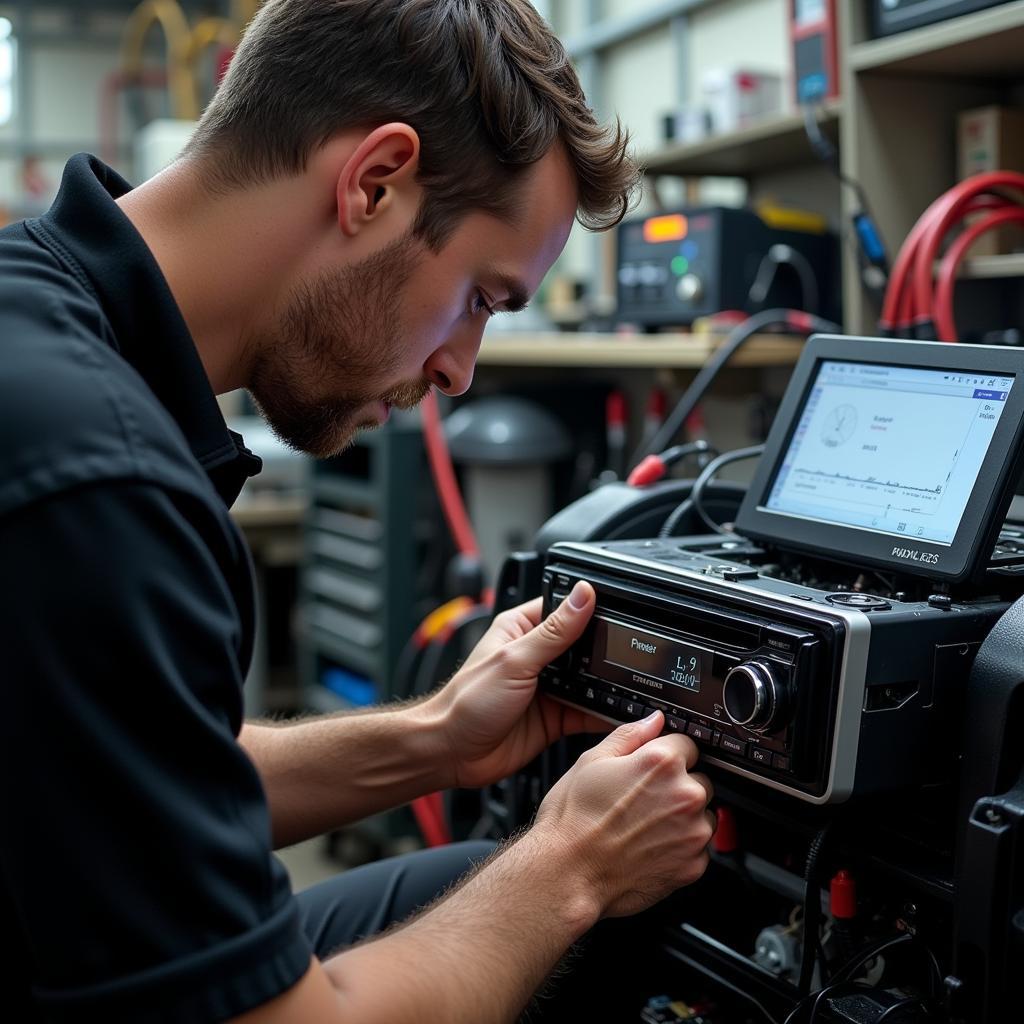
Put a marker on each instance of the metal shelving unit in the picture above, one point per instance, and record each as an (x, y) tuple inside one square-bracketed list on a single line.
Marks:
[(771, 144), (986, 43), (372, 513), (901, 98), (895, 124)]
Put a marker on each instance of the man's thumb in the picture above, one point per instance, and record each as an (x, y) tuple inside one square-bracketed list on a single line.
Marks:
[(555, 634), (631, 736)]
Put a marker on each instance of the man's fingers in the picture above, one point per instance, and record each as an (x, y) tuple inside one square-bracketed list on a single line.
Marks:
[(629, 737), (557, 632), (679, 743), (705, 782), (532, 611)]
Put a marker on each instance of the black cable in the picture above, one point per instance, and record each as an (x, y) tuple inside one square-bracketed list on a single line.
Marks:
[(785, 255), (812, 912), (678, 452), (668, 528), (828, 154), (740, 334), (820, 999), (440, 657), (844, 974), (709, 471), (870, 248), (822, 962)]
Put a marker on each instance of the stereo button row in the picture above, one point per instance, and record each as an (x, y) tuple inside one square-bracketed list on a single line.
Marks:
[(759, 755), (622, 707), (608, 703), (634, 709), (733, 745), (699, 732)]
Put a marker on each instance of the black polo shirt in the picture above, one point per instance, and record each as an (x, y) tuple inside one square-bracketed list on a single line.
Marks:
[(137, 881)]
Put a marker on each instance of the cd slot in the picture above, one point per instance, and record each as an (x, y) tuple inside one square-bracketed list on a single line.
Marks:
[(685, 620)]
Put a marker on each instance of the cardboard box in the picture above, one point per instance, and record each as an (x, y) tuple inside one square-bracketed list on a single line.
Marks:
[(992, 139), (738, 97)]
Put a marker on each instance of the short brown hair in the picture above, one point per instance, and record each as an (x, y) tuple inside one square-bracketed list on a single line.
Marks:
[(485, 83)]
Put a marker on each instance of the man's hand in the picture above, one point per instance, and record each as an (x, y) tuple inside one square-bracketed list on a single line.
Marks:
[(634, 816), (494, 720)]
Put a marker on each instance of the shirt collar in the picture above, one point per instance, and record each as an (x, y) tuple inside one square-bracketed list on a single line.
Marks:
[(92, 236)]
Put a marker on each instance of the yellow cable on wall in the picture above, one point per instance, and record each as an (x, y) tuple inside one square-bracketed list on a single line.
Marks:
[(180, 80), (184, 45), (210, 31)]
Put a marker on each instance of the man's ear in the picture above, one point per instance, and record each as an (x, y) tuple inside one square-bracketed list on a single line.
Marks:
[(381, 167)]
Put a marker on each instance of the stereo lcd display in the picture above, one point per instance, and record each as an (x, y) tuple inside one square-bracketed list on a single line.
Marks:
[(652, 655), (890, 449)]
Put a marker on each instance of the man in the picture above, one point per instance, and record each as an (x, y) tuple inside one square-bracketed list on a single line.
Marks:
[(374, 179)]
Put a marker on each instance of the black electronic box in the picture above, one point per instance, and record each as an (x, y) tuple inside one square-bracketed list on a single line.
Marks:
[(891, 16), (822, 647), (676, 267)]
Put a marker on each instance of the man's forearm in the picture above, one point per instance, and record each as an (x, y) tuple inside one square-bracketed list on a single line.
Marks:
[(478, 955), (326, 772)]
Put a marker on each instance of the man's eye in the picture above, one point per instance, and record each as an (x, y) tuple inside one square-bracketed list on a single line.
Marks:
[(480, 304)]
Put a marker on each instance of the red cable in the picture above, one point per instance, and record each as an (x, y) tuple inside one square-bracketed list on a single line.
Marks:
[(944, 322), (429, 814), (953, 207), (444, 478), (901, 306), (910, 312), (647, 471), (901, 269), (898, 309)]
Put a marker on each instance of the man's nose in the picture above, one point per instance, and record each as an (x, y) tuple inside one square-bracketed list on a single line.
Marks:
[(450, 368)]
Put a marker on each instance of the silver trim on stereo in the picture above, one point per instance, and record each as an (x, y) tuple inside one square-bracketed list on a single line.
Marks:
[(765, 696), (852, 676)]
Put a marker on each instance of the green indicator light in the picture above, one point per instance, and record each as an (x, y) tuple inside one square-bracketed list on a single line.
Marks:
[(680, 265)]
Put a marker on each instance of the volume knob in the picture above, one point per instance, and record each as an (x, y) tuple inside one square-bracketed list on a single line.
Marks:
[(751, 695), (690, 288)]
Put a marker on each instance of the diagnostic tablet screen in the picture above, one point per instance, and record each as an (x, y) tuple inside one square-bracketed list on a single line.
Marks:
[(889, 449)]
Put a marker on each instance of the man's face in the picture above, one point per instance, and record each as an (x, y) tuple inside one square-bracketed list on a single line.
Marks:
[(355, 341)]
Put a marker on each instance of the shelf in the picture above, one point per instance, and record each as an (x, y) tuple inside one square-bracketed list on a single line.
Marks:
[(269, 511), (347, 654), (669, 351), (1011, 265), (343, 490), (768, 145), (990, 268), (987, 44)]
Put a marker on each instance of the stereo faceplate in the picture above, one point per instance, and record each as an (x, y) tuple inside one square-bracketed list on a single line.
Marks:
[(775, 680)]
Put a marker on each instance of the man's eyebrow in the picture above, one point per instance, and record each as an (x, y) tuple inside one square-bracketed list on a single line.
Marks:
[(517, 292)]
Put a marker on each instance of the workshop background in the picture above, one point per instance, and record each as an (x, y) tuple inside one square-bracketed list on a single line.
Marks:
[(789, 148)]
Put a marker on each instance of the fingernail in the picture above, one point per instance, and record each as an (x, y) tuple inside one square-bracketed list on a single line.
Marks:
[(652, 716), (578, 597)]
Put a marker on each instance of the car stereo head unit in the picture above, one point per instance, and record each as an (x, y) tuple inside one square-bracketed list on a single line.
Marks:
[(766, 644), (776, 682), (900, 456)]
